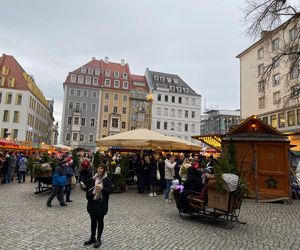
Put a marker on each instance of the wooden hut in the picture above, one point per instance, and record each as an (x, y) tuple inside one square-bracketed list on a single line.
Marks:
[(262, 159)]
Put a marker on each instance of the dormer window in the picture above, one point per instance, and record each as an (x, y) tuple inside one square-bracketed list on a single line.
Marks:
[(83, 70), (125, 76), (116, 74), (107, 82), (90, 70), (97, 72), (175, 80), (88, 80), (73, 78), (125, 85), (172, 88), (162, 79), (107, 72), (117, 84), (156, 77), (178, 89), (169, 79), (80, 79), (185, 90), (95, 80)]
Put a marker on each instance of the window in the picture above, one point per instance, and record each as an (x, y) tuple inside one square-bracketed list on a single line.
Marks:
[(193, 101), (116, 74), (276, 79), (162, 79), (157, 125), (173, 99), (175, 80), (92, 122), (172, 125), (2, 80), (116, 97), (265, 119), (68, 137), (260, 53), (11, 82), (106, 96), (16, 117), (107, 82), (185, 90), (80, 79), (260, 70), (75, 136), (78, 92), (95, 81), (291, 118), (169, 80), (186, 127), (166, 98), (298, 116), (85, 93), (179, 126), (165, 125), (156, 77), (117, 84), (179, 99), (90, 70), (186, 114), (88, 80), (8, 98), (83, 121), (193, 114), (93, 107), (125, 85), (105, 108), (159, 97), (115, 122), (158, 111), (275, 61), (18, 99), (5, 70), (276, 97), (261, 86), (193, 128), (71, 105), (294, 71), (172, 88), (178, 89), (72, 92), (115, 109), (295, 91), (107, 73), (69, 120), (187, 101), (275, 44), (179, 113), (84, 106), (172, 113), (166, 111), (94, 94), (123, 124), (77, 105), (124, 110), (293, 53), (125, 98), (73, 78), (76, 120), (104, 123), (293, 33), (91, 139), (0, 97), (281, 120), (83, 70), (97, 72), (81, 137), (125, 76), (261, 102)]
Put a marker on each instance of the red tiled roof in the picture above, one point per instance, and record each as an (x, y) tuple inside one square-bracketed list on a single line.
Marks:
[(138, 78), (15, 70)]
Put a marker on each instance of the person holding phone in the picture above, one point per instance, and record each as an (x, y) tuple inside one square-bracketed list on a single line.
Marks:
[(98, 189)]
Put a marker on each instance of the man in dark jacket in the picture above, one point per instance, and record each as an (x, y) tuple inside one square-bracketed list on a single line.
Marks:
[(58, 183)]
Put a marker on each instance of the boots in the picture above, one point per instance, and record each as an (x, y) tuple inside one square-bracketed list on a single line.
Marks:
[(97, 243), (91, 241)]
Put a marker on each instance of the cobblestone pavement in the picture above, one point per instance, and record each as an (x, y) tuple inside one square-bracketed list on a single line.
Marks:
[(137, 221)]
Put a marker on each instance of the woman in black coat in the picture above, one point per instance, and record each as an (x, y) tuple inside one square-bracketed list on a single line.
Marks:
[(152, 176), (97, 190)]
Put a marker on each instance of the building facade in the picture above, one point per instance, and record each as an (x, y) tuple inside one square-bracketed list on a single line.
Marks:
[(269, 78), (219, 121), (81, 106), (25, 114), (176, 108), (140, 104)]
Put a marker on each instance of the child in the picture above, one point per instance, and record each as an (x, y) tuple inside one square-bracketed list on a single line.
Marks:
[(175, 186)]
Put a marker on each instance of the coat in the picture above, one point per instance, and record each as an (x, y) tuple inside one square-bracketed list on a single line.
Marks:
[(194, 180), (152, 173), (98, 207)]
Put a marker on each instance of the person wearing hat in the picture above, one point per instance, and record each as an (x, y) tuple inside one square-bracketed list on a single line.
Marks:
[(97, 190), (58, 183)]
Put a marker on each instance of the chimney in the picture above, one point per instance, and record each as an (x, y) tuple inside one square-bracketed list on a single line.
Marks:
[(106, 59), (122, 62), (93, 58)]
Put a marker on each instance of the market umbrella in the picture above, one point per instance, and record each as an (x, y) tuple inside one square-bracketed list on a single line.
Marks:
[(140, 139), (185, 145), (62, 147)]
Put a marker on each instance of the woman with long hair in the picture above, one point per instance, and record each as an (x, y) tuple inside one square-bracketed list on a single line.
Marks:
[(97, 190)]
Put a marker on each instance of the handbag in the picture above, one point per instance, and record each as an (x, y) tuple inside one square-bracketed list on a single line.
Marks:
[(73, 181), (157, 174)]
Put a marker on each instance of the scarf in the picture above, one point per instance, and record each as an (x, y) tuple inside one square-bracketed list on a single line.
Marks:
[(98, 186)]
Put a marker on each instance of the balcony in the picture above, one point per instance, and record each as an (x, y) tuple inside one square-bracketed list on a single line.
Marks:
[(77, 111)]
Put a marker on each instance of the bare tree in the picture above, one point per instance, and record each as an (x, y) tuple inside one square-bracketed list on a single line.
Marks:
[(280, 17)]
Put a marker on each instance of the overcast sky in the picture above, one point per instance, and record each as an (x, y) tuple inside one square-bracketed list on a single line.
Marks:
[(198, 40)]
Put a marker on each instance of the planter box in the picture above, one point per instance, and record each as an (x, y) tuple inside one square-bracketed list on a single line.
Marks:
[(216, 199)]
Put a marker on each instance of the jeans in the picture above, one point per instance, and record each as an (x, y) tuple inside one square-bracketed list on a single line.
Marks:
[(10, 174), (167, 190), (57, 191), (21, 176)]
